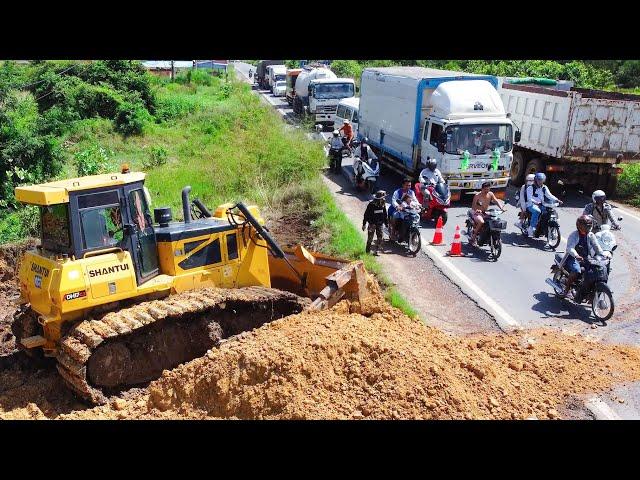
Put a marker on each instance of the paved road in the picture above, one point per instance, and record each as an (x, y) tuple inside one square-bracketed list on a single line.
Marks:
[(515, 284)]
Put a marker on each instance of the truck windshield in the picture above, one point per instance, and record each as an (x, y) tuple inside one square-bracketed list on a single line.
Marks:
[(280, 77), (55, 227), (478, 139), (334, 90)]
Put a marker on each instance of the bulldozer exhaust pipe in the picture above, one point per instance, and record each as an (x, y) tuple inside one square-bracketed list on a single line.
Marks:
[(186, 206)]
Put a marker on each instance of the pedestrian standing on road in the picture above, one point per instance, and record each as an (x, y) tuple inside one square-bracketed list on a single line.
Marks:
[(376, 216)]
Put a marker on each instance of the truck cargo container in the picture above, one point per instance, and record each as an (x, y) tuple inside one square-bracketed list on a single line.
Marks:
[(579, 136), (411, 114), (261, 72)]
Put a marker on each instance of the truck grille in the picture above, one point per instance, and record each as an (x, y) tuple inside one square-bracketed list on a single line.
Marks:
[(326, 109)]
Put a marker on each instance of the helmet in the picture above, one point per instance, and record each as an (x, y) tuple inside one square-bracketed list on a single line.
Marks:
[(431, 164), (380, 194), (540, 177), (598, 196), (585, 221), (530, 178), (345, 121), (336, 133), (364, 140)]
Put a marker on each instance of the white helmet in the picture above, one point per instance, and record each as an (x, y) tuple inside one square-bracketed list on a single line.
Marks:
[(345, 121), (336, 133), (598, 195), (530, 178)]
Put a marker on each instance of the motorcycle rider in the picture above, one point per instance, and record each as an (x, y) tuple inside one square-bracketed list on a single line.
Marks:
[(365, 154), (523, 198), (376, 216), (600, 211), (580, 243), (429, 175), (536, 195), (479, 205), (335, 152), (396, 208), (347, 130)]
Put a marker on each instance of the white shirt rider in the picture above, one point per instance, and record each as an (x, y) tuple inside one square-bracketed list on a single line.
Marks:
[(539, 196), (428, 176)]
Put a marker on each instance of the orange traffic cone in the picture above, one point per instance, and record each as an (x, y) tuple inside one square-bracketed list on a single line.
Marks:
[(456, 246), (437, 236)]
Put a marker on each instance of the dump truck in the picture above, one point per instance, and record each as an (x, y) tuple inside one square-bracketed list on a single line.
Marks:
[(318, 92), (116, 297), (577, 136), (411, 114), (261, 72)]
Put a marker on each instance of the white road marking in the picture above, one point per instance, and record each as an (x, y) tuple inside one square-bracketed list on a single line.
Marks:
[(600, 409), (626, 212), (505, 321)]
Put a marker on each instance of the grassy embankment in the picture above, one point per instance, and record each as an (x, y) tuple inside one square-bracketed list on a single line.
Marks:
[(228, 146)]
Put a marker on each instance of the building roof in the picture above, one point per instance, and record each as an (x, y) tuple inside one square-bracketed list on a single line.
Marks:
[(166, 64), (52, 193)]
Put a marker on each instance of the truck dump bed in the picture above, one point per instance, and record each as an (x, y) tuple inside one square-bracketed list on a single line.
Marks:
[(578, 124)]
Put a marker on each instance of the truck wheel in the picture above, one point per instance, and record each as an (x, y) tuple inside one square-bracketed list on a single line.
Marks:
[(517, 169), (534, 165)]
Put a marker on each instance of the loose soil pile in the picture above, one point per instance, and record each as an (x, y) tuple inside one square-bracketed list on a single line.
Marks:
[(339, 364), (9, 258)]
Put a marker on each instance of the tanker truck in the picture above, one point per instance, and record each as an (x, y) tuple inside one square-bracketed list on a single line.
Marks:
[(577, 136), (411, 114), (318, 92)]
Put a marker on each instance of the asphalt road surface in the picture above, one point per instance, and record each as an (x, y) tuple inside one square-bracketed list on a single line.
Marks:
[(513, 289)]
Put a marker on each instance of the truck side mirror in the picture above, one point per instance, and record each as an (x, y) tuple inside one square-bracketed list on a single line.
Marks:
[(517, 136)]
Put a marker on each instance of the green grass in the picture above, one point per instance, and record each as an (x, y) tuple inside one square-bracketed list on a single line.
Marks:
[(629, 184)]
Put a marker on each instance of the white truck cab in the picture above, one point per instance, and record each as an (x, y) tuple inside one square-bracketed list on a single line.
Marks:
[(467, 123), (348, 110)]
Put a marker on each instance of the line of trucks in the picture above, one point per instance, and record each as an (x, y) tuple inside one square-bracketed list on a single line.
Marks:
[(478, 127)]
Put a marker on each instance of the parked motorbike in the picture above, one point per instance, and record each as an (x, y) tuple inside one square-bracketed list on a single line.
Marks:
[(411, 235), (437, 205), (490, 233), (366, 174), (591, 287), (547, 224)]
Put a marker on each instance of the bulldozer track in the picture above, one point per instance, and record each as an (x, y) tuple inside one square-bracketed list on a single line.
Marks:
[(226, 312)]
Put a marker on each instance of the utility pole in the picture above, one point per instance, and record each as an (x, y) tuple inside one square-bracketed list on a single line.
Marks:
[(173, 70)]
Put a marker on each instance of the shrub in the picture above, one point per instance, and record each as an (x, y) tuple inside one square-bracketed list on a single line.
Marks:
[(131, 118), (158, 156), (93, 160), (17, 225), (175, 106), (628, 76), (629, 183)]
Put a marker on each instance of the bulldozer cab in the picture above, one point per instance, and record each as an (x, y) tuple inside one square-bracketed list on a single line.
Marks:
[(98, 214)]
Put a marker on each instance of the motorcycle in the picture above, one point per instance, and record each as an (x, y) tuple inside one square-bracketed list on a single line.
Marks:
[(547, 224), (411, 235), (440, 201), (366, 174), (591, 286), (490, 232)]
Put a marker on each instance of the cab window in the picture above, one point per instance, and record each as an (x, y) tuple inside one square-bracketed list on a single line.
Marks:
[(232, 246), (55, 227), (436, 132), (101, 227), (355, 116), (341, 111)]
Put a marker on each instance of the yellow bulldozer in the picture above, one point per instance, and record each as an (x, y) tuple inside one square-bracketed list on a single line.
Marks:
[(117, 296)]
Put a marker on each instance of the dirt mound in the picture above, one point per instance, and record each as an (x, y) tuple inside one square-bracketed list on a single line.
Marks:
[(9, 261), (338, 364)]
